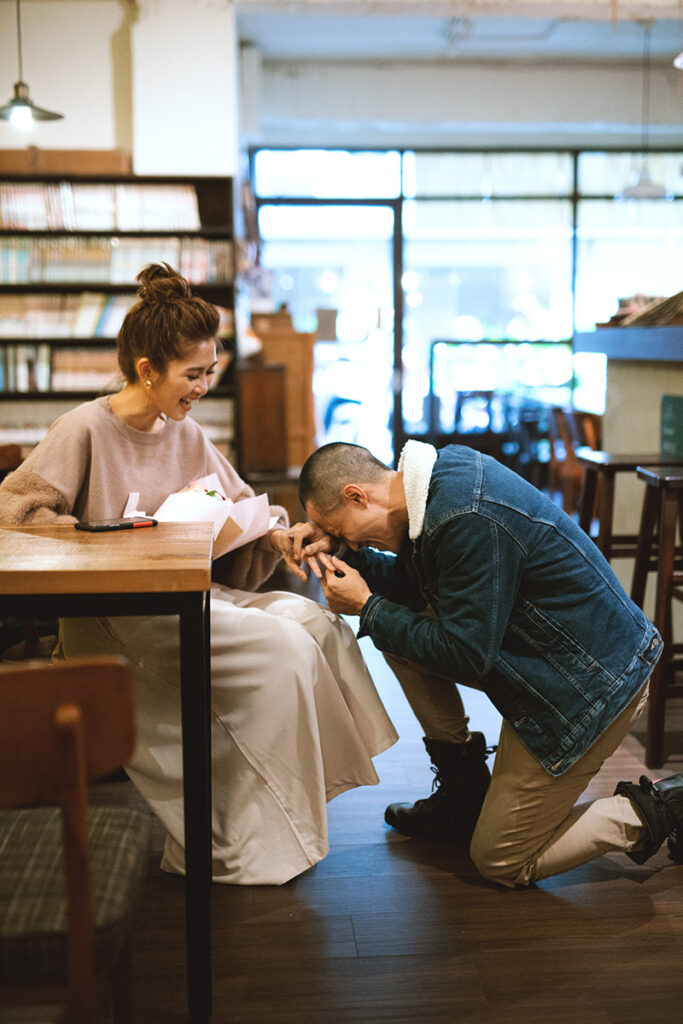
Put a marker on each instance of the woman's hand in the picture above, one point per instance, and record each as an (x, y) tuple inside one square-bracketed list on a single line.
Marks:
[(302, 543), (344, 588)]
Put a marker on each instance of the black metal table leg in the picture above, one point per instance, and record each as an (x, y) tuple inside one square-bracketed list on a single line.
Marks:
[(195, 670)]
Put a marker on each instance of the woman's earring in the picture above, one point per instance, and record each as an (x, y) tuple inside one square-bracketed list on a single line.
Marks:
[(148, 385)]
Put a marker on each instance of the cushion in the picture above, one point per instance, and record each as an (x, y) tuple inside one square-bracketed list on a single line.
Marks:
[(32, 900)]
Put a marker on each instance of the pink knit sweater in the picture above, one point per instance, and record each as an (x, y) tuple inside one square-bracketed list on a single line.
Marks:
[(90, 461)]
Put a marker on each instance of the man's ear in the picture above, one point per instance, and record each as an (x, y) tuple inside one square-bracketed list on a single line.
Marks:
[(355, 495)]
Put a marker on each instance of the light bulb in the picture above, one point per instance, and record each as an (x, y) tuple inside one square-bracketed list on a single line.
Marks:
[(21, 117)]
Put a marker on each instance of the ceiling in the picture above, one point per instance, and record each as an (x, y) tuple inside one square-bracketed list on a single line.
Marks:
[(419, 30)]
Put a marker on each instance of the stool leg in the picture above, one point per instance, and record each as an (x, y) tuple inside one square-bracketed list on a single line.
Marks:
[(606, 512), (654, 750), (648, 520), (590, 484)]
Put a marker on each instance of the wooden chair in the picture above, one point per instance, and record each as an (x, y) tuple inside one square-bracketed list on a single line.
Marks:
[(661, 519), (10, 458), (566, 475), (597, 500), (70, 876)]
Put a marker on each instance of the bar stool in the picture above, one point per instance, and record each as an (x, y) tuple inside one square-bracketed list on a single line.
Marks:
[(600, 470), (662, 511)]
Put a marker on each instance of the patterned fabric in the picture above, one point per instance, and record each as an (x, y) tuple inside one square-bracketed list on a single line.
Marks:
[(32, 900)]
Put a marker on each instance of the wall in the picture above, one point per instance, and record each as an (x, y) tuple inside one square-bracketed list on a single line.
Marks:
[(77, 63), (445, 103), (156, 78), (185, 87)]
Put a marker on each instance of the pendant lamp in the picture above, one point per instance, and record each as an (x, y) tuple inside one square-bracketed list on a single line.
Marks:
[(21, 112), (644, 187)]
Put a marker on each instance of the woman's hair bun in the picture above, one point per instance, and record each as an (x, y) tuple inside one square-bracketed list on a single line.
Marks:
[(159, 282)]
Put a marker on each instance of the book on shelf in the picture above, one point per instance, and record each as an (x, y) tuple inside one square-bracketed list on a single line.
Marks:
[(52, 315), (83, 315), (128, 206), (43, 367), (111, 259), (85, 369), (25, 368), (113, 314)]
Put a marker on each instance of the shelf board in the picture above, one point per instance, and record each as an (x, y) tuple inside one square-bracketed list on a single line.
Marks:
[(87, 341), (73, 287), (86, 396), (36, 178), (213, 231), (646, 344)]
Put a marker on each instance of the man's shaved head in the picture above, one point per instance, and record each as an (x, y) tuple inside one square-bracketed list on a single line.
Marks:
[(329, 469)]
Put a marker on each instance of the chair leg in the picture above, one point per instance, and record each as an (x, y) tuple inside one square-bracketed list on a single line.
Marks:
[(122, 985), (590, 484), (606, 513), (646, 535), (654, 750)]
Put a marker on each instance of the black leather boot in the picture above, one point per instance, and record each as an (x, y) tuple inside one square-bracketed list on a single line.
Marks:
[(461, 780), (676, 844), (661, 807)]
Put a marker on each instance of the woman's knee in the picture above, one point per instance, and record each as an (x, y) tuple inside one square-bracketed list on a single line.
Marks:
[(288, 641)]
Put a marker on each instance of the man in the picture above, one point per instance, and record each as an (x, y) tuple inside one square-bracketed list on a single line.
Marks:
[(461, 571)]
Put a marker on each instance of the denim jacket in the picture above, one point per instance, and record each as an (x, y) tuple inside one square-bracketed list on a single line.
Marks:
[(501, 588)]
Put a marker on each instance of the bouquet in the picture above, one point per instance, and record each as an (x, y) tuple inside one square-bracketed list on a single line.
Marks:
[(234, 522)]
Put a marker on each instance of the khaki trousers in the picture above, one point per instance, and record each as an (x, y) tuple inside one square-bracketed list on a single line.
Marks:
[(530, 826)]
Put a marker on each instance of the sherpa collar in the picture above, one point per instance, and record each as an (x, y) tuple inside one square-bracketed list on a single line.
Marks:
[(416, 463)]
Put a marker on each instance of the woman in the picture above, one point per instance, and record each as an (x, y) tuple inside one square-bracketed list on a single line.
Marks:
[(295, 716)]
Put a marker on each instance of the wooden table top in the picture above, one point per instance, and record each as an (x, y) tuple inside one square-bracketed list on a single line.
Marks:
[(662, 476), (626, 461), (170, 557)]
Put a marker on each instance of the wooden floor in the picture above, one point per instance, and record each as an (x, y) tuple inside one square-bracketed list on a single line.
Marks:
[(389, 929)]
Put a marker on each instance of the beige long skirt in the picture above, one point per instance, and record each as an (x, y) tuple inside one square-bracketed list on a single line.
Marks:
[(295, 721)]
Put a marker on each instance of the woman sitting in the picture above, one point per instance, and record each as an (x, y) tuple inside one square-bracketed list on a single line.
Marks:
[(295, 715)]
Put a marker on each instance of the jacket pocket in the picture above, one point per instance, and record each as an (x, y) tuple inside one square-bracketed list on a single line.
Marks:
[(534, 631)]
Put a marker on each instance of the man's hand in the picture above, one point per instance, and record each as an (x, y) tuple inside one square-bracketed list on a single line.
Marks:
[(344, 588), (301, 543)]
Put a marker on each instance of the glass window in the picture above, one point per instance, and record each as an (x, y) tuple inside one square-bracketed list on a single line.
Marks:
[(327, 174), (468, 375), (607, 174), (481, 270), (487, 174), (624, 248), (325, 222), (332, 267), (489, 254)]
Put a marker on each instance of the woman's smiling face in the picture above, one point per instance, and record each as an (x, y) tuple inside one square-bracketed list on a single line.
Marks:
[(186, 381)]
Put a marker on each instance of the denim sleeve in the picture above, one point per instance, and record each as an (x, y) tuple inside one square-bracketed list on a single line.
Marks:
[(385, 574), (477, 571)]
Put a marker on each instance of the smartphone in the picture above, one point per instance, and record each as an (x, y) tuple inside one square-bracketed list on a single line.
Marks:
[(104, 525)]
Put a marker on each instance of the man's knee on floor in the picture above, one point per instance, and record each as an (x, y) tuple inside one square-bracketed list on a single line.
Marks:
[(493, 861)]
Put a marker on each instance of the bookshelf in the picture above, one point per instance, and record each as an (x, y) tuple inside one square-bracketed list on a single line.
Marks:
[(70, 247)]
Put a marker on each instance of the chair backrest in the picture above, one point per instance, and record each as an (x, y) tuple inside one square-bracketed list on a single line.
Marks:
[(33, 696), (10, 458), (61, 724)]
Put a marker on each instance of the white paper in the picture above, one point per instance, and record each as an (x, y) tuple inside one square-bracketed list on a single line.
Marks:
[(234, 523), (131, 508)]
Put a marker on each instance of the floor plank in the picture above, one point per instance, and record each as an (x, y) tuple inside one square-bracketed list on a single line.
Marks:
[(389, 930)]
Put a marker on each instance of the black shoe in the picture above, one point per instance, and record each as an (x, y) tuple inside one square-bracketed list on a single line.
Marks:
[(461, 779), (675, 845), (661, 806)]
